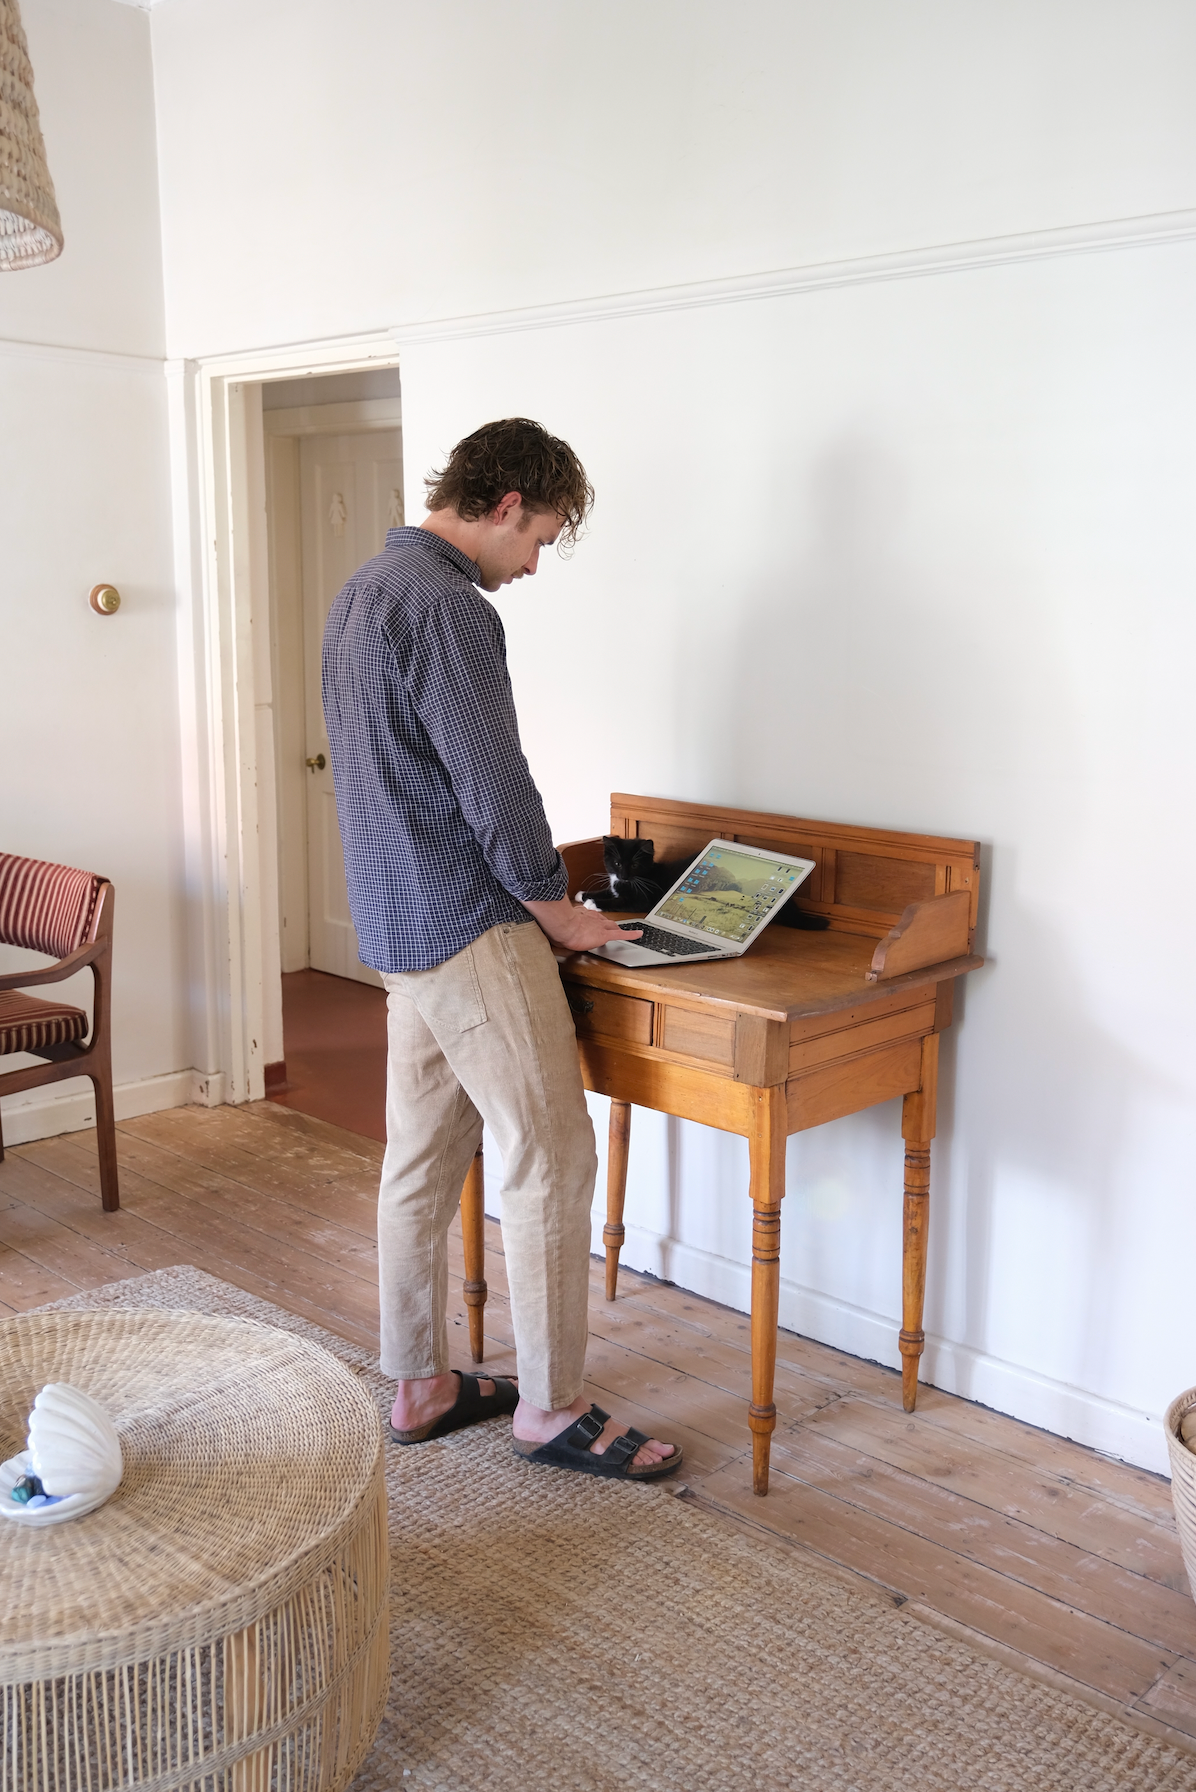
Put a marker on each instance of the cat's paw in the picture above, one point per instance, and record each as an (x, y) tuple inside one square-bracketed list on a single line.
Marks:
[(590, 903)]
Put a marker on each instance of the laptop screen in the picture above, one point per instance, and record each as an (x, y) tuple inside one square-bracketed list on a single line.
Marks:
[(728, 893)]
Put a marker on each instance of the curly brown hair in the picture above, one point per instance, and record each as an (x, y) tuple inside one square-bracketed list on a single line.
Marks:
[(514, 455)]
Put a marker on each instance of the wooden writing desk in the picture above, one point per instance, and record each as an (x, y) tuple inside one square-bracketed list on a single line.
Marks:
[(803, 1028)]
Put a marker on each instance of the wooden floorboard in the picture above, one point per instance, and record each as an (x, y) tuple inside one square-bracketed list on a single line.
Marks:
[(1173, 1698), (1048, 1555), (1001, 1484)]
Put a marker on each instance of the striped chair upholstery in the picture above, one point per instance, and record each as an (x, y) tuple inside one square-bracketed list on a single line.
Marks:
[(30, 1025), (46, 908), (67, 913)]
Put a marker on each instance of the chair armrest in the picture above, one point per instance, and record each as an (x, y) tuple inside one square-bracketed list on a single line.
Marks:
[(54, 973)]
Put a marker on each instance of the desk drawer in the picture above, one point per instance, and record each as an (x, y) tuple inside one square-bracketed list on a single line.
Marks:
[(844, 1088), (613, 1017), (691, 1035), (862, 1036)]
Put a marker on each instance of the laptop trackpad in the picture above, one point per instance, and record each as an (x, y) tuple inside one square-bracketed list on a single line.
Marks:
[(629, 953)]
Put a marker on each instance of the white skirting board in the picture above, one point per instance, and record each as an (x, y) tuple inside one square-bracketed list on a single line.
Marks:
[(70, 1106), (1103, 1425)]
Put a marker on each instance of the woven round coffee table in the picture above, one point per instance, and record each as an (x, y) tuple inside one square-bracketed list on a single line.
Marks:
[(221, 1623)]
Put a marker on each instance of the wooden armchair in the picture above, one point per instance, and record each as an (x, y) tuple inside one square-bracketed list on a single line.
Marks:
[(67, 913)]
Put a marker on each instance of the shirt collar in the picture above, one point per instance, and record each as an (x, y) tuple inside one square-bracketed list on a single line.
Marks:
[(409, 535)]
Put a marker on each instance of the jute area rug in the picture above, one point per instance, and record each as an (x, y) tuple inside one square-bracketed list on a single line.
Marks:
[(550, 1631)]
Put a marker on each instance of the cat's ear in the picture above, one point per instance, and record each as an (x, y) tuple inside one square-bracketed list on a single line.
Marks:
[(611, 840), (648, 845)]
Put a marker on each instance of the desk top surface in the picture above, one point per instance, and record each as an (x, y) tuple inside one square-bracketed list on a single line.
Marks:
[(785, 975)]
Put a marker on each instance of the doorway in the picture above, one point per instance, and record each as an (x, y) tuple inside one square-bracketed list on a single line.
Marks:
[(334, 486)]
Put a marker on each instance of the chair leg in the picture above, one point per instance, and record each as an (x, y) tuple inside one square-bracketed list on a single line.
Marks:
[(1, 1138), (106, 1143)]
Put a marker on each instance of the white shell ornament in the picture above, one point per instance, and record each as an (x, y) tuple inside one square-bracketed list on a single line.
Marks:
[(74, 1452)]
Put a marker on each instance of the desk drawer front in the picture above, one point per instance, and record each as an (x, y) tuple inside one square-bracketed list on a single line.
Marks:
[(710, 1037), (915, 1021), (597, 1011), (832, 1090)]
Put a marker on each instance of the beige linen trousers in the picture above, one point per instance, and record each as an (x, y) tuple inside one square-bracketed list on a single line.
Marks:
[(487, 1037)]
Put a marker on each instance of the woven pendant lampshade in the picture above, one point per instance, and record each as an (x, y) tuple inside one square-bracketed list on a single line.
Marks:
[(30, 232)]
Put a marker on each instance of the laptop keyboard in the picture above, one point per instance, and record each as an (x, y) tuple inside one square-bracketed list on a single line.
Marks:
[(657, 940)]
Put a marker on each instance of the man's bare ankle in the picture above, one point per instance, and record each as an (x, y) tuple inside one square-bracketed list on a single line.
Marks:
[(539, 1423), (428, 1397), (423, 1396)]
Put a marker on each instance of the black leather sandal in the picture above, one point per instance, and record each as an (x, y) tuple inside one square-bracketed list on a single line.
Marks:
[(573, 1449), (470, 1408)]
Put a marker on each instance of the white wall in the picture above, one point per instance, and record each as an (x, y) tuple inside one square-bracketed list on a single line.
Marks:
[(88, 721), (931, 526), (387, 160)]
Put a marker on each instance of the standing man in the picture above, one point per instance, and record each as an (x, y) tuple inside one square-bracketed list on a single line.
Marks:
[(455, 890)]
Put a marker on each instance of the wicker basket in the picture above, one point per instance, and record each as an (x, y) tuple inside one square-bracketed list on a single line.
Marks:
[(1183, 1480)]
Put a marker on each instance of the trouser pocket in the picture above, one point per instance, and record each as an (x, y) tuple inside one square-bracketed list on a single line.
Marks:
[(449, 996)]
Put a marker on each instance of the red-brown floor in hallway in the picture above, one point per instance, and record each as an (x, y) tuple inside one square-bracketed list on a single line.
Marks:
[(334, 1038)]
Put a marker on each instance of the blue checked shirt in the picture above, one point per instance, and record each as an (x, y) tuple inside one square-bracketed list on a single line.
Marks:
[(443, 829)]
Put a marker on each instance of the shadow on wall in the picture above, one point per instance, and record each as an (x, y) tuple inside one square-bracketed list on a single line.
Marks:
[(1053, 1184), (926, 699)]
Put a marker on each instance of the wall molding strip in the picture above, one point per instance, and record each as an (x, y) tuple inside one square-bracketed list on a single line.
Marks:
[(110, 361), (379, 347), (1153, 231)]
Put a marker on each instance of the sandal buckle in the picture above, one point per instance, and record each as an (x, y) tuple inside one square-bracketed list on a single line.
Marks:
[(590, 1425), (622, 1449)]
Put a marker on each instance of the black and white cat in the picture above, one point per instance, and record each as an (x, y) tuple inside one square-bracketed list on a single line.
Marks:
[(633, 880)]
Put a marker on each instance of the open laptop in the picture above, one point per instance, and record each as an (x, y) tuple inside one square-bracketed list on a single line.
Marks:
[(729, 894)]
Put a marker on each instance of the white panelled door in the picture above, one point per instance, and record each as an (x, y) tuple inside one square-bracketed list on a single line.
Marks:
[(351, 492)]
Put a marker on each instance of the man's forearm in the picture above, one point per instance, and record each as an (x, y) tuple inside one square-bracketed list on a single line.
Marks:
[(573, 925)]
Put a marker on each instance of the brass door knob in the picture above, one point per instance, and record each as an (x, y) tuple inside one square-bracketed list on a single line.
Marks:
[(104, 599), (318, 763)]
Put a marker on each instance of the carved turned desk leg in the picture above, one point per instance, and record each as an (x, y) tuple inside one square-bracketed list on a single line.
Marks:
[(473, 1235), (917, 1129), (766, 1148), (619, 1139)]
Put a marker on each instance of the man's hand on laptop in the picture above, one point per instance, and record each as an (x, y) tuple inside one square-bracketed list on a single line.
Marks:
[(573, 925)]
